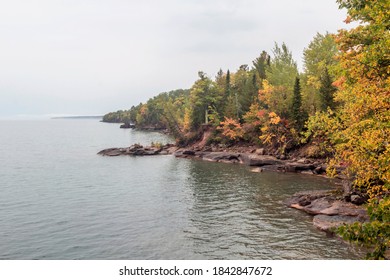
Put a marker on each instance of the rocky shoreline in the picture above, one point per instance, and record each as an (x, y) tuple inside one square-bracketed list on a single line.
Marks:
[(254, 157), (330, 209)]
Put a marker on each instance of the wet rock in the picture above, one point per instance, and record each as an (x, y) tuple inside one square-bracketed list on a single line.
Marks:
[(257, 170), (188, 152), (134, 150), (315, 207), (258, 160), (110, 152), (329, 211), (317, 170), (221, 156), (306, 196), (184, 153), (295, 167), (308, 172), (303, 160), (127, 125), (330, 223)]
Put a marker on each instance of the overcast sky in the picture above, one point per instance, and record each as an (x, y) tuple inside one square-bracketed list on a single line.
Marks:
[(81, 57)]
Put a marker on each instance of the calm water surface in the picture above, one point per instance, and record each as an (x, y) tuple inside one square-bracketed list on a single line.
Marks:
[(59, 200)]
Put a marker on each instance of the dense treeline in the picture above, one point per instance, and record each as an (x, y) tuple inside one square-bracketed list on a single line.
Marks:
[(339, 106), (253, 104), (163, 111)]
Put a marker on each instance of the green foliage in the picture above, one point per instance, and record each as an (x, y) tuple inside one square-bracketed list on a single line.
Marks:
[(282, 70), (202, 95), (374, 234), (281, 75), (318, 57), (320, 132), (261, 64)]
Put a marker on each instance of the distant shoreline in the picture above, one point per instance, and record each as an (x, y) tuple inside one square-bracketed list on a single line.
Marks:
[(78, 117)]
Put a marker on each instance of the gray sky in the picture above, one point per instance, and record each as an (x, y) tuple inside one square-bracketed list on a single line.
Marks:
[(85, 57)]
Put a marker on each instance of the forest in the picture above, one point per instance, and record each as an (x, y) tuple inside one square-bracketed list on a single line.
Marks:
[(338, 108)]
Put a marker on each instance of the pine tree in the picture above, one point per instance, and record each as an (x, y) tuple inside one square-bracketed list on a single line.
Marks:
[(296, 107), (227, 87), (327, 91)]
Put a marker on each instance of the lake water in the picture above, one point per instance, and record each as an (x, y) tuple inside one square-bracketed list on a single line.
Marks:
[(60, 200)]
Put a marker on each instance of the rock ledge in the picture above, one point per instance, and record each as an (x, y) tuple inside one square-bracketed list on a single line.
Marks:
[(328, 209)]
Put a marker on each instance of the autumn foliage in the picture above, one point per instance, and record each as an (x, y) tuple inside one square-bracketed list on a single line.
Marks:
[(339, 106), (231, 129)]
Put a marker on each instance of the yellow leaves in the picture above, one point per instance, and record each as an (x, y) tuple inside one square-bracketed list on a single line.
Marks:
[(274, 118), (266, 92), (377, 191), (276, 133), (231, 128), (313, 81)]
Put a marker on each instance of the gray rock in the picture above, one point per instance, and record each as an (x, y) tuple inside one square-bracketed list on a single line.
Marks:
[(221, 156), (258, 160), (317, 170), (303, 160), (112, 152), (260, 151), (302, 198), (308, 172), (329, 211), (184, 153), (329, 223), (257, 170), (295, 166), (188, 152), (357, 199)]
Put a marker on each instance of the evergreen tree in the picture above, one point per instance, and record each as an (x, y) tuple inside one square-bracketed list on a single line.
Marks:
[(230, 109), (228, 85), (261, 63), (327, 91), (296, 107)]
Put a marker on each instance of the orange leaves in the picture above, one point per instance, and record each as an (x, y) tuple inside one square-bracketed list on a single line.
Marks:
[(348, 20), (231, 128), (274, 118), (261, 114)]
